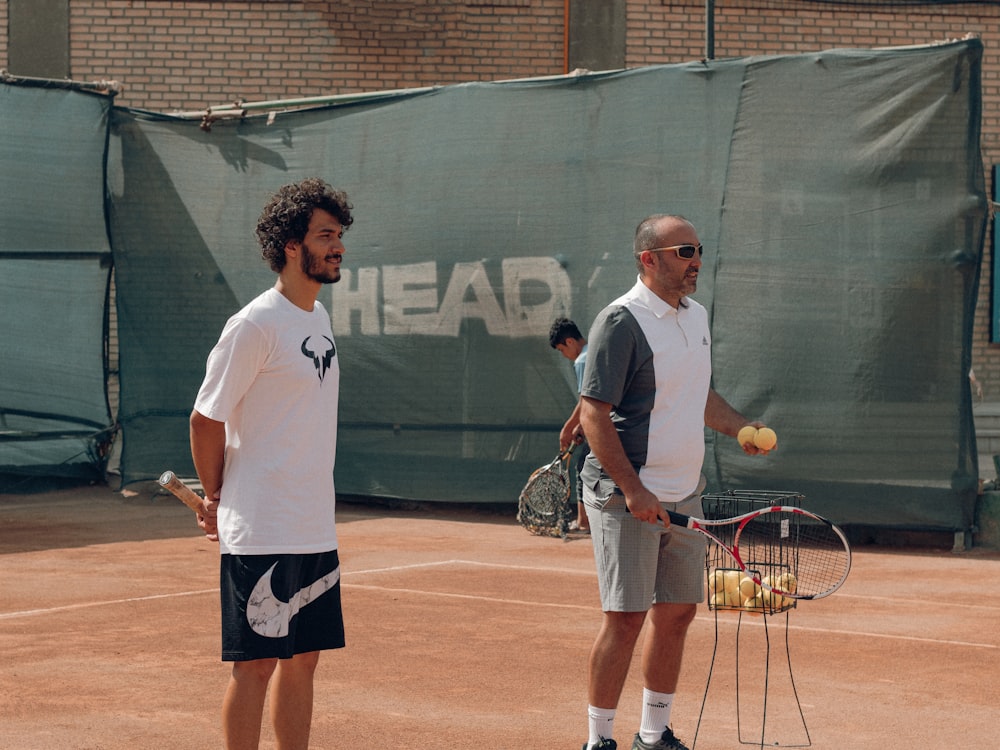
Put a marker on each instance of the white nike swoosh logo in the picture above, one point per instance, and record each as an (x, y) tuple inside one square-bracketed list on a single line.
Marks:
[(269, 616)]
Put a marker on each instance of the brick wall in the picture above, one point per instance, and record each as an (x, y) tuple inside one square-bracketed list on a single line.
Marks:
[(3, 34), (189, 55), (185, 56)]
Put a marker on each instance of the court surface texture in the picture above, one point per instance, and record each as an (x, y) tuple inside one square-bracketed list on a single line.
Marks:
[(464, 631)]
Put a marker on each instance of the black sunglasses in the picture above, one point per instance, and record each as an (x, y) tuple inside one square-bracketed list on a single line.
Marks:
[(684, 252)]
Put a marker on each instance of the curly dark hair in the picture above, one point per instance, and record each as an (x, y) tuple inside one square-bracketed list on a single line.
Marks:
[(286, 216)]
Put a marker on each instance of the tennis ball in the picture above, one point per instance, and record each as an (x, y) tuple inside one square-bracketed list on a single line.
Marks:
[(787, 583), (765, 439), (718, 599), (732, 583), (746, 435), (748, 589), (755, 604), (780, 603), (717, 580), (733, 599)]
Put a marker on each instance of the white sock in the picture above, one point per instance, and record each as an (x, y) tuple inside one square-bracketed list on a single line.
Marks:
[(655, 714), (601, 724)]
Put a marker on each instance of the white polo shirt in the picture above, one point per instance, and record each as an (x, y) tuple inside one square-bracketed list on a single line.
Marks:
[(653, 364)]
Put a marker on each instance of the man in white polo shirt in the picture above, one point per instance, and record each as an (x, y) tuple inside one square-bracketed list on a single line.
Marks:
[(645, 401)]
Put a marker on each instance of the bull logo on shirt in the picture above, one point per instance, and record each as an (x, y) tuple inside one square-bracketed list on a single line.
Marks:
[(321, 361)]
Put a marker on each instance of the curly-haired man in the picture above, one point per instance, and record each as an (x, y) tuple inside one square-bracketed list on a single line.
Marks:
[(263, 439)]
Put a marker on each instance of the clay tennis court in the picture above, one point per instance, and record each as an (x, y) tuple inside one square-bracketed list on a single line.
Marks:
[(464, 631)]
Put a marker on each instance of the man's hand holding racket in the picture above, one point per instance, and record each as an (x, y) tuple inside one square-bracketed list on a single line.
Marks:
[(207, 518), (644, 505), (205, 508)]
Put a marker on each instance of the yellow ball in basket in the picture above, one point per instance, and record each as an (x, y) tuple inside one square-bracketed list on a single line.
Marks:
[(748, 589), (746, 435), (765, 439), (732, 584), (717, 581), (787, 583)]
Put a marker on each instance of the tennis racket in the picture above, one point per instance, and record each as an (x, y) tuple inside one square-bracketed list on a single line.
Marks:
[(813, 552), (543, 505), (169, 481)]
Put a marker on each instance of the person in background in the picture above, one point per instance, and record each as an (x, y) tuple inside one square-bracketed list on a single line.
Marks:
[(263, 439), (646, 398), (565, 337)]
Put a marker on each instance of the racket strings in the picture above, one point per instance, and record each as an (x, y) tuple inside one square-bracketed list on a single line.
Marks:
[(543, 506), (546, 493), (810, 549)]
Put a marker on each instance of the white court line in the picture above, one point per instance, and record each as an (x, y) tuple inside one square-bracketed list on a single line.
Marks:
[(499, 600), (86, 605), (950, 605), (505, 566), (153, 597), (865, 634)]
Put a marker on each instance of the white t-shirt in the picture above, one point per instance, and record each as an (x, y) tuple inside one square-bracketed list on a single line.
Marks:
[(274, 379)]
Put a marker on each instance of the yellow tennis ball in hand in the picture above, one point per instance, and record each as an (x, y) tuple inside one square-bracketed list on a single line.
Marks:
[(765, 439), (746, 435)]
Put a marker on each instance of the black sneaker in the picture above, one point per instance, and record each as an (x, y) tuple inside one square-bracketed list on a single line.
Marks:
[(602, 745), (666, 742)]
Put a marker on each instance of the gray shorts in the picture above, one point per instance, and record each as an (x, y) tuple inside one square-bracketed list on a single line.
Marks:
[(639, 564)]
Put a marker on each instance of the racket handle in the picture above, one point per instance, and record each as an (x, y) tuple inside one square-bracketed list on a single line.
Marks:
[(169, 481), (679, 519)]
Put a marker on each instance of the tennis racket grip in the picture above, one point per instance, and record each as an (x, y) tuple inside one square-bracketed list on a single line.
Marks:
[(681, 520), (169, 481)]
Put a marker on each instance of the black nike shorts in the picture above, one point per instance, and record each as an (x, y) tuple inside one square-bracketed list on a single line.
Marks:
[(280, 605)]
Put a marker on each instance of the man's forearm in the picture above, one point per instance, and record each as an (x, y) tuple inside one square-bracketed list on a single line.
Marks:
[(208, 451), (722, 417), (606, 445)]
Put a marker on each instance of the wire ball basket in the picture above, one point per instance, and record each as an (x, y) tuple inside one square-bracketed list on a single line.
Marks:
[(772, 554)]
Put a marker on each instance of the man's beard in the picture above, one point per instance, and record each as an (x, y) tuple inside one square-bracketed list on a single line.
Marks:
[(314, 267)]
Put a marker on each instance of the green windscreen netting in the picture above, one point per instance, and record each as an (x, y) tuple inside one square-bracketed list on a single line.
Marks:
[(55, 263), (839, 195)]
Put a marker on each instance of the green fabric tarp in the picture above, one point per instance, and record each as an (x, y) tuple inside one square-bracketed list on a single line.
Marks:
[(840, 197), (55, 262)]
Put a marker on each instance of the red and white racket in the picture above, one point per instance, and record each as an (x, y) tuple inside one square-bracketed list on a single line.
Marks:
[(813, 551)]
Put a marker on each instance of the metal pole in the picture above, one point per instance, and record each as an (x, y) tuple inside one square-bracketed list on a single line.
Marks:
[(709, 29)]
